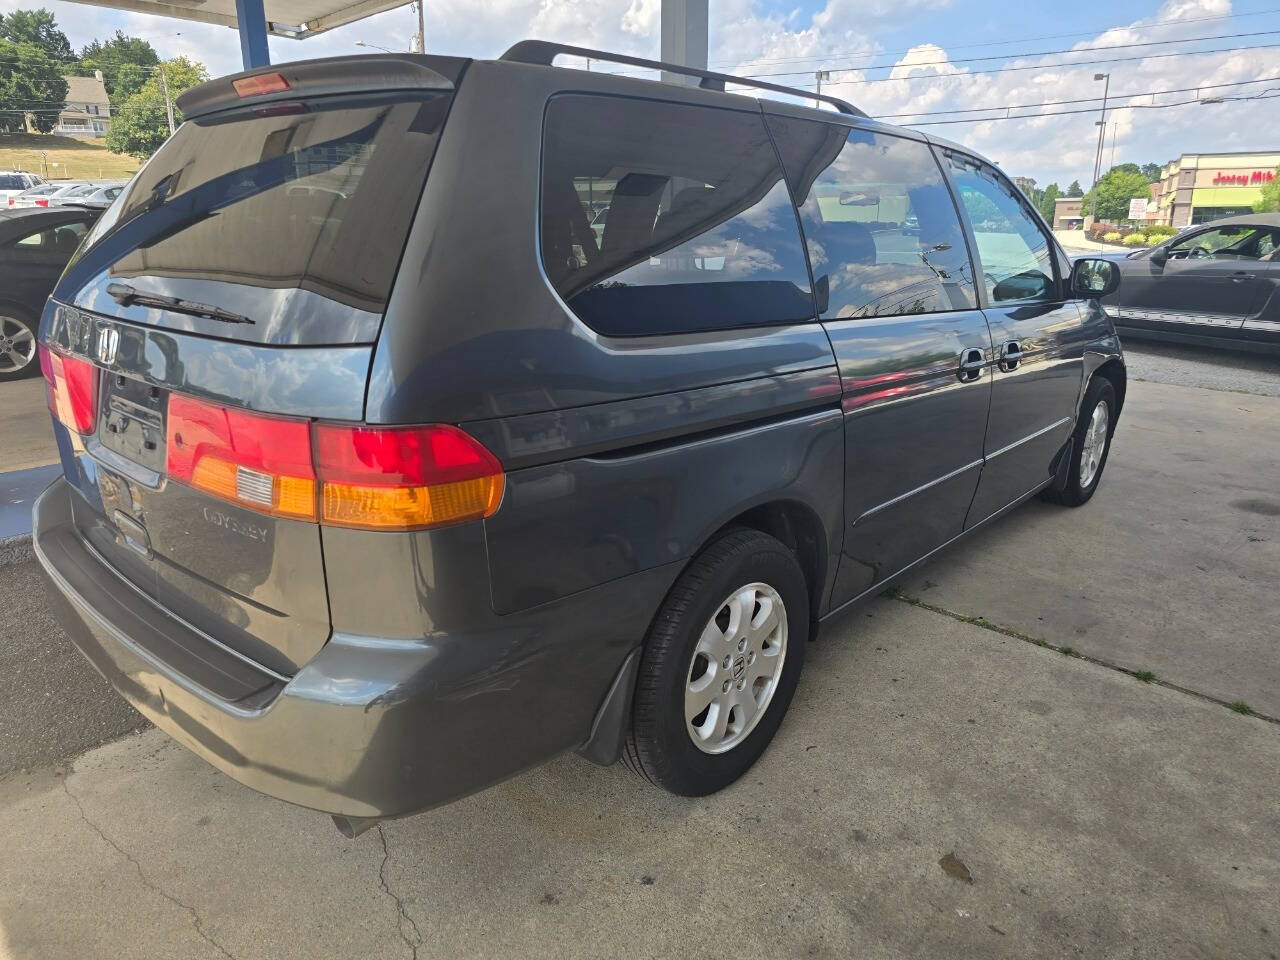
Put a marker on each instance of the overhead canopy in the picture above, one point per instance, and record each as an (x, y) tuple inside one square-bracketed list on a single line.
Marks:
[(284, 18)]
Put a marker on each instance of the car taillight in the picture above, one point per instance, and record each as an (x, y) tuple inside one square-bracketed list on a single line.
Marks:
[(41, 202), (404, 478), (253, 460), (260, 84), (72, 388), (372, 478)]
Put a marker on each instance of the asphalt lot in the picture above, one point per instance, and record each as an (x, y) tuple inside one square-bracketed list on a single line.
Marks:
[(944, 785)]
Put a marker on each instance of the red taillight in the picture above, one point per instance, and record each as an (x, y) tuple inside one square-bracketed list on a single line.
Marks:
[(259, 84), (373, 478), (250, 459), (72, 388), (404, 478), (41, 202)]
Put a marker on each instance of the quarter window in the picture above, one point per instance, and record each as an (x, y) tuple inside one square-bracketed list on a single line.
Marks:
[(1017, 261), (883, 234), (666, 218)]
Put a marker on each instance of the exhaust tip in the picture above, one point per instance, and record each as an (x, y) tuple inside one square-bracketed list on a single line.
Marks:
[(352, 827)]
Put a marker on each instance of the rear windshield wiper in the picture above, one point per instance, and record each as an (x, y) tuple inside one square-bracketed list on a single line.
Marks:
[(125, 295)]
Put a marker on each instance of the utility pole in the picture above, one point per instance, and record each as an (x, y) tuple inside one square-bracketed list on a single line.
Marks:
[(422, 33), (168, 102), (1102, 124)]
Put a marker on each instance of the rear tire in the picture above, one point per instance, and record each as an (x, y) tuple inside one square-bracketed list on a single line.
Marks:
[(731, 634), (1090, 445), (17, 344)]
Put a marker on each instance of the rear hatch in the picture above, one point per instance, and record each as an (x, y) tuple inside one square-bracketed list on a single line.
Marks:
[(226, 300)]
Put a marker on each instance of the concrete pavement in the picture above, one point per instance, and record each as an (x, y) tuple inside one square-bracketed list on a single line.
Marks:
[(1095, 815), (24, 425), (1171, 568), (1078, 811)]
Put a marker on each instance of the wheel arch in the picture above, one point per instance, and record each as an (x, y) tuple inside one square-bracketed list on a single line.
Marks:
[(1114, 371)]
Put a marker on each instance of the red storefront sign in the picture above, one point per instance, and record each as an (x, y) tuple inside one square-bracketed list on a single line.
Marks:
[(1253, 179)]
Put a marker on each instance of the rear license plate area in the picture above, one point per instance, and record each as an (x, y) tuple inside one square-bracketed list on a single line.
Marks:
[(132, 423)]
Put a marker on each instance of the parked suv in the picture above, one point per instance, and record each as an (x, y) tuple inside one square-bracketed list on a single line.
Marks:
[(374, 503)]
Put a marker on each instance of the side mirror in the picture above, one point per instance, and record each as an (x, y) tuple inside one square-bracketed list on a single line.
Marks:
[(1159, 255), (1092, 279)]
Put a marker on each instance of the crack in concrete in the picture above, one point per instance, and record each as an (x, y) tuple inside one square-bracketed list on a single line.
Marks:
[(401, 910), (195, 917), (1140, 675)]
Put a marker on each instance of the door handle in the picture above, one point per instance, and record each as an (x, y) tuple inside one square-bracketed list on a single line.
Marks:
[(1010, 355), (1240, 276), (972, 361)]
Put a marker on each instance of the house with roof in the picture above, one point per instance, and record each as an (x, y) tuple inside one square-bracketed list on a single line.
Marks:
[(87, 112)]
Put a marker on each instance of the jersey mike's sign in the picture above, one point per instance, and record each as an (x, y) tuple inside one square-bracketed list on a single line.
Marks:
[(1252, 179)]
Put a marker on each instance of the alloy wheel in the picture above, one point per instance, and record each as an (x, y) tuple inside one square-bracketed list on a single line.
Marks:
[(17, 345), (1095, 444), (736, 667)]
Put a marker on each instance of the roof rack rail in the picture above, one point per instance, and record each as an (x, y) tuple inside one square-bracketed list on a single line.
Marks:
[(544, 52)]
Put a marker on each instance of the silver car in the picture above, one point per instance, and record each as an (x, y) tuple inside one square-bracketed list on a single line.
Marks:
[(37, 196), (96, 195)]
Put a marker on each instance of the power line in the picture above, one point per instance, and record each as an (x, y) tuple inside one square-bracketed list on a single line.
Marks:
[(993, 43), (1051, 103), (1050, 66), (1064, 113), (1037, 53)]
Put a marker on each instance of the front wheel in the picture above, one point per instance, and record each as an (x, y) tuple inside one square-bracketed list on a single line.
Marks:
[(1090, 445), (720, 665)]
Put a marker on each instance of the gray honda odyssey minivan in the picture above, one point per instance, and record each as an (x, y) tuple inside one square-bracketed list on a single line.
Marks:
[(386, 476)]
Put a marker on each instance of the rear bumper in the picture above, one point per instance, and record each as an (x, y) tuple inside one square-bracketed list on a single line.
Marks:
[(365, 729)]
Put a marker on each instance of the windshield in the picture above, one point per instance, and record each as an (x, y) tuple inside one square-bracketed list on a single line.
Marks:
[(292, 216)]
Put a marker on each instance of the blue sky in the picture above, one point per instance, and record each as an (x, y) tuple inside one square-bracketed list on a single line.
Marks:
[(929, 43)]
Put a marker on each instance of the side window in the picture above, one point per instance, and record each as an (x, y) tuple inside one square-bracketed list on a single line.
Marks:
[(1017, 261), (1225, 243), (883, 234), (665, 218), (52, 243)]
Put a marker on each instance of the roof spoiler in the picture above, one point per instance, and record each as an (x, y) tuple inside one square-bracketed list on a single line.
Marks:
[(544, 52), (325, 77)]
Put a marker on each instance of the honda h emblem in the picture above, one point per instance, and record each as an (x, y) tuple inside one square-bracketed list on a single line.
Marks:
[(108, 342)]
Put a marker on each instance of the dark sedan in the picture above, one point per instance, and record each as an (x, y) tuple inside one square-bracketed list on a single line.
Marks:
[(35, 244), (1215, 283)]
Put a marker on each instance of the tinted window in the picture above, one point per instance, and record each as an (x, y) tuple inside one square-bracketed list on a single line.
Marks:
[(9, 181), (881, 227), (293, 217), (1017, 263), (52, 243), (1227, 243), (699, 232)]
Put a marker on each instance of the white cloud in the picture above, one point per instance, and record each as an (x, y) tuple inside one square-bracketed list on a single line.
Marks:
[(1062, 148), (752, 37)]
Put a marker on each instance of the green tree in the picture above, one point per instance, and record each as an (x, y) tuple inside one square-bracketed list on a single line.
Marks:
[(1270, 202), (31, 84), (1152, 172), (1051, 193), (125, 62), (1075, 190), (1110, 196), (38, 28), (140, 125)]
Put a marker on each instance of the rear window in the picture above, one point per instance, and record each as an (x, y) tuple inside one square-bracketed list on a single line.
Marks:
[(292, 217), (9, 181), (665, 218)]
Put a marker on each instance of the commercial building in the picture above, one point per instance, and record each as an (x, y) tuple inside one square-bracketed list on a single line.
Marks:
[(1198, 187), (1067, 213)]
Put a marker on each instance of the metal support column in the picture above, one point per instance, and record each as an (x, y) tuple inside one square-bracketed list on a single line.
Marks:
[(252, 23), (684, 37)]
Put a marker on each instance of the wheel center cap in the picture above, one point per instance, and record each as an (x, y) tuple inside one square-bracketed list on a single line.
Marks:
[(739, 667)]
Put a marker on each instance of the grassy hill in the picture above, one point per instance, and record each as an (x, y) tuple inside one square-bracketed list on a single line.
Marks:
[(75, 159)]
